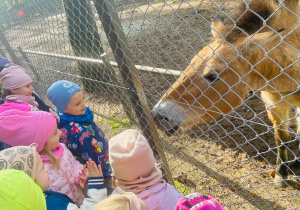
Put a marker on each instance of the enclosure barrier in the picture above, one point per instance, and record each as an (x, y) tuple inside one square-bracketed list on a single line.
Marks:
[(130, 56)]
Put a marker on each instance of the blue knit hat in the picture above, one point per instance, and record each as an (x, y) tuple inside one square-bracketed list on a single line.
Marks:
[(4, 61), (60, 93)]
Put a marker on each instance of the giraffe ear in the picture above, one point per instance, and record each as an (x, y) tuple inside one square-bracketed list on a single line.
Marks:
[(218, 29)]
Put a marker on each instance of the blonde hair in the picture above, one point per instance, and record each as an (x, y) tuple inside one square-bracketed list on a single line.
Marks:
[(54, 160), (114, 202), (5, 92)]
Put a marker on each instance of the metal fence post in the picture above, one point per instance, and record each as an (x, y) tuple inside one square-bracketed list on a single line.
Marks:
[(2, 53), (117, 40), (86, 42), (8, 48)]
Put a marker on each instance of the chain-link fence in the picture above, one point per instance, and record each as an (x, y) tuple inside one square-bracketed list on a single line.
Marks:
[(127, 54)]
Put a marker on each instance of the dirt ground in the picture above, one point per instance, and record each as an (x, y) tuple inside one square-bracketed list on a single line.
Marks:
[(231, 158)]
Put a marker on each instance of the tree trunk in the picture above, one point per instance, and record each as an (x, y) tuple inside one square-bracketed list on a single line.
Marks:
[(85, 41)]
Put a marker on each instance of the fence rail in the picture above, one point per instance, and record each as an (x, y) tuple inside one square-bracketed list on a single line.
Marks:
[(130, 56), (139, 67)]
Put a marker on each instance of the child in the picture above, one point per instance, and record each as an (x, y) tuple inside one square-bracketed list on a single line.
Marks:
[(17, 87), (26, 194), (24, 128), (80, 133), (25, 158), (15, 184), (196, 201), (133, 166), (127, 201)]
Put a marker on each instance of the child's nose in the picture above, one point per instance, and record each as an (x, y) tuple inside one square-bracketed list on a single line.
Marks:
[(60, 132)]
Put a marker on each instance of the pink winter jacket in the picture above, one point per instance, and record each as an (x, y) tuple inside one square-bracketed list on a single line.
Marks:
[(66, 179), (162, 196), (14, 105)]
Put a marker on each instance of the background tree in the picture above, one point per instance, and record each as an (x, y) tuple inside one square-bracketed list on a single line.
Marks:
[(85, 41)]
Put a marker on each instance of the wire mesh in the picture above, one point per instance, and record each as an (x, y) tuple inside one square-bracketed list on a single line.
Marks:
[(233, 157)]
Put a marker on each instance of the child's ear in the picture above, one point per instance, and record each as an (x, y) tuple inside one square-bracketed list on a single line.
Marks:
[(13, 91)]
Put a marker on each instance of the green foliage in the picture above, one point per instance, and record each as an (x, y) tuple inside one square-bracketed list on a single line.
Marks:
[(184, 190), (117, 123)]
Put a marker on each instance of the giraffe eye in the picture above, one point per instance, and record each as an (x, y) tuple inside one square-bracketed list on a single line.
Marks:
[(211, 78)]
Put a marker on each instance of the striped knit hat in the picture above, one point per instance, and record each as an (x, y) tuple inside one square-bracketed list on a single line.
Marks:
[(18, 128)]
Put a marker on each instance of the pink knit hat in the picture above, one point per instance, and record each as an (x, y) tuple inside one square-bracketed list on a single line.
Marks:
[(14, 77), (19, 128), (130, 156), (197, 201)]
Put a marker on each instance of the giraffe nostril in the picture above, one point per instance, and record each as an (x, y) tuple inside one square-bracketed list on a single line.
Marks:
[(164, 118), (161, 118)]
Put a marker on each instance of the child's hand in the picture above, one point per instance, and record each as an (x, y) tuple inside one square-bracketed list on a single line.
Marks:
[(94, 171), (84, 177)]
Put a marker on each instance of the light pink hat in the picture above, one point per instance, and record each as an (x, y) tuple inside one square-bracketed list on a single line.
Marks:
[(14, 77), (130, 156), (19, 128), (197, 201)]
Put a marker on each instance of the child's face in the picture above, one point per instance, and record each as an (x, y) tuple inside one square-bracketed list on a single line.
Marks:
[(76, 105), (26, 90), (42, 173), (53, 141)]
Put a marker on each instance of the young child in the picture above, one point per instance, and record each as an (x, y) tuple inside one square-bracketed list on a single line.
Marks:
[(26, 194), (79, 131), (16, 86), (127, 201), (133, 166), (28, 160), (197, 201), (29, 192), (24, 128)]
